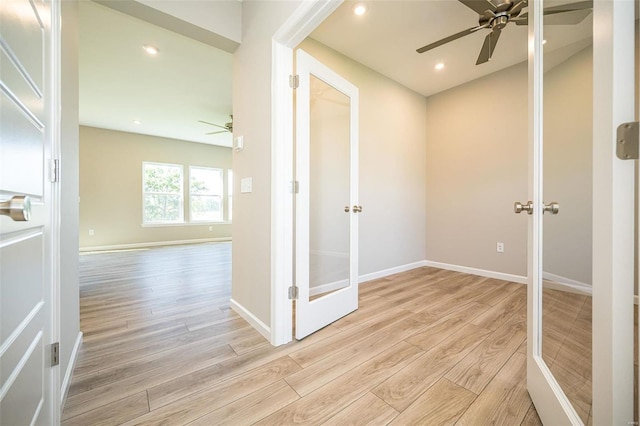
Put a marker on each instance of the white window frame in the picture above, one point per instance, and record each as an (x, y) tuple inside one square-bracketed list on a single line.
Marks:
[(181, 194), (221, 195)]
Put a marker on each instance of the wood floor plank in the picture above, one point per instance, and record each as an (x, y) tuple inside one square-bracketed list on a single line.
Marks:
[(114, 413), (251, 408), (324, 403), (477, 369), (369, 410), (401, 390), (531, 418), (442, 404), (337, 363), (505, 400), (217, 396), (385, 362)]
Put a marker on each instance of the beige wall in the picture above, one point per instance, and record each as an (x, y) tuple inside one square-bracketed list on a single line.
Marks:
[(111, 186), (69, 285), (252, 119), (392, 164), (477, 165), (568, 176)]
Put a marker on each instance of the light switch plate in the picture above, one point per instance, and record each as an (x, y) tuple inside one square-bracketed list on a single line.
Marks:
[(238, 143), (246, 185)]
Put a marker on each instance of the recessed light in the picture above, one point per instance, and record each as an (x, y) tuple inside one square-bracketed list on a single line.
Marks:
[(359, 9), (439, 66), (151, 50), (544, 41), (137, 122)]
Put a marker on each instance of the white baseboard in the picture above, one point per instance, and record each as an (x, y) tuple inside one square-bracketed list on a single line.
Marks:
[(325, 288), (261, 327), (558, 282), (390, 271), (153, 244), (481, 272), (66, 382)]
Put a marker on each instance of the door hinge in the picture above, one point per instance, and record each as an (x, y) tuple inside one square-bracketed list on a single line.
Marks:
[(293, 293), (55, 354), (54, 170), (295, 187), (627, 141), (294, 81)]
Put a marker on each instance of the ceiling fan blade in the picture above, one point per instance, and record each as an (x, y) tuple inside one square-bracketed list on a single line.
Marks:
[(584, 6), (215, 133), (517, 8), (212, 124), (479, 6), (450, 38), (488, 46)]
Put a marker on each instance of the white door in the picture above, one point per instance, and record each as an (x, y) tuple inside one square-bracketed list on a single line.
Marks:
[(326, 207), (580, 300), (28, 387)]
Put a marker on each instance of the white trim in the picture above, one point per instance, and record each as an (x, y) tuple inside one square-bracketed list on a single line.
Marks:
[(390, 271), (558, 282), (299, 25), (192, 223), (261, 327), (20, 328), (154, 244), (481, 272), (66, 382), (20, 365), (325, 288)]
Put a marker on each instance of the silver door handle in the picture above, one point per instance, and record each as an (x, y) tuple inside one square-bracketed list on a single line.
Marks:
[(553, 207), (518, 207), (357, 209), (17, 208)]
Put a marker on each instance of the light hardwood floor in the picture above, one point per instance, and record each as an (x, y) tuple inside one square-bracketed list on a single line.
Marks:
[(161, 346)]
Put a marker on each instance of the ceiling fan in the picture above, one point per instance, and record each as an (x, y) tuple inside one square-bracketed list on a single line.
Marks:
[(228, 127), (496, 14)]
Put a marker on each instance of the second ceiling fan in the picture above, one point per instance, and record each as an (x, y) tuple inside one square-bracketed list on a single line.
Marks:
[(496, 14)]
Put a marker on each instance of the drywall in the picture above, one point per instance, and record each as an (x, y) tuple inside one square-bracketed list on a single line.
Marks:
[(111, 186), (392, 164), (252, 98), (69, 210), (477, 166), (568, 176)]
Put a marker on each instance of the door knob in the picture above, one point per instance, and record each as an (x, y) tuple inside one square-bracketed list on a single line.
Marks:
[(518, 207), (553, 207), (17, 208), (347, 209), (357, 209)]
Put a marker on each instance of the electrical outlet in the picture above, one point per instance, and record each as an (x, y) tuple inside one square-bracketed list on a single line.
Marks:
[(500, 247), (91, 232), (211, 228)]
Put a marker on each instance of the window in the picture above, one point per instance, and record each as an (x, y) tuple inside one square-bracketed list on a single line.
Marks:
[(229, 194), (162, 193), (205, 194)]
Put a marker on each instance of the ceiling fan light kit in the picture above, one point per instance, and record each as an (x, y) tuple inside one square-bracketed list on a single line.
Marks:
[(494, 15)]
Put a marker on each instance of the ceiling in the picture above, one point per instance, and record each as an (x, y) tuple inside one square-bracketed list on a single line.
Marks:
[(386, 37), (168, 93), (189, 81)]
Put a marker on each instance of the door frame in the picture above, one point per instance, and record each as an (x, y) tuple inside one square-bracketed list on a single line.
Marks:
[(613, 211), (613, 218), (300, 24)]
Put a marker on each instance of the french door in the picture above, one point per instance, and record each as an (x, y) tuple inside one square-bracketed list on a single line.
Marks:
[(326, 206), (580, 310)]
